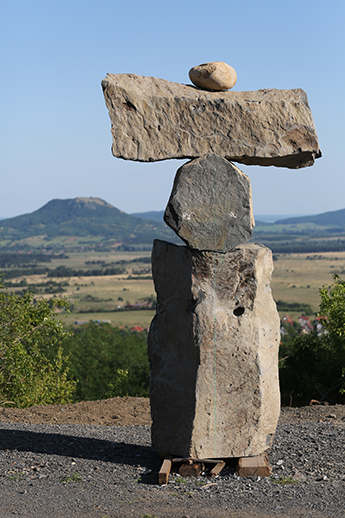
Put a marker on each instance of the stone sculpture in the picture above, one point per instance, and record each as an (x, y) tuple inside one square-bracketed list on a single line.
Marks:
[(213, 344)]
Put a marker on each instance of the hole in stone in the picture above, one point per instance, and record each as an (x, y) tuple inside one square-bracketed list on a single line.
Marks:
[(238, 312), (130, 106)]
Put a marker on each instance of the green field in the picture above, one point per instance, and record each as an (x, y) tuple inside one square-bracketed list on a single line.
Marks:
[(298, 277), (121, 318)]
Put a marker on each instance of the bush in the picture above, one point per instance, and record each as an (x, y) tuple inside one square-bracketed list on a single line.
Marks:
[(107, 362), (315, 368), (29, 332)]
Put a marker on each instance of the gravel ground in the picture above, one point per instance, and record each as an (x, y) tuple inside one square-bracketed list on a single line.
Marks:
[(74, 470)]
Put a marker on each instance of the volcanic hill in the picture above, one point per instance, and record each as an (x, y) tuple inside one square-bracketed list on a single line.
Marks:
[(80, 221)]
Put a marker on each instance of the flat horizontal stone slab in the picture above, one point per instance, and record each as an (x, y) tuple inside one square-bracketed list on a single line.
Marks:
[(213, 351), (154, 119)]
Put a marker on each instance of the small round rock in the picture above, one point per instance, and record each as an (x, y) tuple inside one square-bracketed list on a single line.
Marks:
[(213, 76)]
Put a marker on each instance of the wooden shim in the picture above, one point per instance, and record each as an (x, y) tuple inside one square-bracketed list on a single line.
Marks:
[(190, 470), (206, 461), (217, 469), (163, 474), (253, 466)]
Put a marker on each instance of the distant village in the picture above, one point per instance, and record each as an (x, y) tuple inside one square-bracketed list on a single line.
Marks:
[(303, 325)]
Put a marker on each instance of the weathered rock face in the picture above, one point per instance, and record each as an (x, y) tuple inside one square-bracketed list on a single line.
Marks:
[(213, 350), (210, 207), (213, 76), (153, 119)]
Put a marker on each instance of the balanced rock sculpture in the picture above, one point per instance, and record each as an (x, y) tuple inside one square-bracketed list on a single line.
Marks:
[(213, 344)]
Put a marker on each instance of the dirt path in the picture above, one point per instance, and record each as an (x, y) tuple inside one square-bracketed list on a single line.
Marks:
[(130, 411), (116, 411)]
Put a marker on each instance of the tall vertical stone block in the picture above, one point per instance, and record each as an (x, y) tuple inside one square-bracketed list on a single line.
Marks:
[(213, 350)]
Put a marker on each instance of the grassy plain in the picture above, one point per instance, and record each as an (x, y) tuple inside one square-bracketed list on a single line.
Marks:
[(122, 318), (296, 278)]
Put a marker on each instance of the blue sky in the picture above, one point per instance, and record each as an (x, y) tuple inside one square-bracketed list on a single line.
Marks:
[(55, 130)]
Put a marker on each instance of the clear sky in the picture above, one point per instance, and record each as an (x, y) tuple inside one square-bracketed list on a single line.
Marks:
[(55, 130)]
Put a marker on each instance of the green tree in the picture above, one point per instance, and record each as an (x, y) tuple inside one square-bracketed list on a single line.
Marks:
[(29, 331), (315, 368), (108, 361), (332, 310), (119, 387)]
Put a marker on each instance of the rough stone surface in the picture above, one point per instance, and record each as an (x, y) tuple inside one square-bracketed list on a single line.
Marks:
[(213, 350), (213, 76), (210, 207), (153, 119)]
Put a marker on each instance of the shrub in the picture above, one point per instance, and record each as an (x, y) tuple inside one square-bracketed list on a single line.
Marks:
[(315, 368), (28, 331), (107, 361)]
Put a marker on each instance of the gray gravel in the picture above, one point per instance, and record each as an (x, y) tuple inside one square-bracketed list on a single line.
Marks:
[(111, 471)]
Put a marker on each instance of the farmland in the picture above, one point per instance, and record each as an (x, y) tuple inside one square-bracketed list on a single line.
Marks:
[(108, 361), (298, 277), (127, 299)]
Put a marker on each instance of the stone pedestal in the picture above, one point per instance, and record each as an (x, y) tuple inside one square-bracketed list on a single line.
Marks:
[(213, 350)]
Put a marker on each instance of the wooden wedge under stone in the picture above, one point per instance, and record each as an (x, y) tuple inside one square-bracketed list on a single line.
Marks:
[(154, 119), (217, 468), (253, 466), (210, 207), (190, 470), (163, 475)]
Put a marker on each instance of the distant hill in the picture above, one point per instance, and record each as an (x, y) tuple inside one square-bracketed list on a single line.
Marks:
[(153, 215), (157, 215), (334, 218), (67, 224), (319, 233), (80, 220)]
